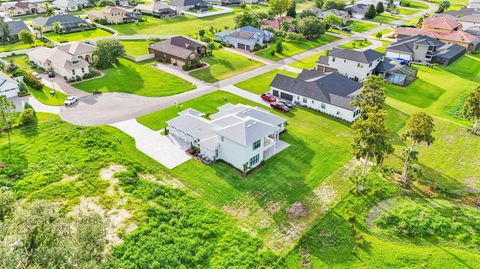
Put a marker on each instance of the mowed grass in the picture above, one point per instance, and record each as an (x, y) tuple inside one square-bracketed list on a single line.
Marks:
[(407, 11), (19, 46), (135, 47), (224, 64), (386, 18), (356, 44), (21, 61), (77, 36), (136, 78), (361, 26), (261, 83), (309, 62), (46, 98), (383, 48), (291, 48), (318, 147), (416, 4)]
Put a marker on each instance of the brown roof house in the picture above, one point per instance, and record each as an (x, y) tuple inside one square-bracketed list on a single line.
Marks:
[(114, 15), (178, 50), (22, 8)]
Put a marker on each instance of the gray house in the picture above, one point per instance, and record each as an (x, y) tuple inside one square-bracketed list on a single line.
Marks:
[(244, 38), (14, 28), (424, 49), (68, 23), (357, 11), (189, 4), (329, 93)]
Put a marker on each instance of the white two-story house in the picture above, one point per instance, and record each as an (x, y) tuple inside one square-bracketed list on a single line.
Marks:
[(8, 86), (240, 135)]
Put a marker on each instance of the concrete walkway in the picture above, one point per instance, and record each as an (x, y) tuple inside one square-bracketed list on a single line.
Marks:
[(159, 147)]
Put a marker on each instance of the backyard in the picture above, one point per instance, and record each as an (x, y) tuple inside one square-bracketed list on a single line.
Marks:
[(309, 62), (291, 48), (136, 78), (19, 46), (356, 44), (77, 36), (361, 26), (386, 18), (135, 47), (261, 83), (224, 64)]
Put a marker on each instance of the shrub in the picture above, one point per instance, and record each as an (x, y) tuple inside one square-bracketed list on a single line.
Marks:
[(272, 53), (206, 39), (295, 37), (26, 117), (31, 81)]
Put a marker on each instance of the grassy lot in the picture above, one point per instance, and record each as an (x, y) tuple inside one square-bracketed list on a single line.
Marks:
[(136, 78), (261, 83), (224, 64), (386, 18), (313, 155), (340, 32), (189, 25), (291, 48), (77, 36), (19, 46), (356, 44), (135, 47), (383, 48), (46, 98), (407, 11), (20, 60), (309, 62), (362, 26), (415, 4), (454, 4)]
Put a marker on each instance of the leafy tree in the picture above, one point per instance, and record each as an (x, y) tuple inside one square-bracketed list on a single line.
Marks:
[(311, 27), (56, 27), (370, 137), (378, 35), (26, 117), (279, 47), (7, 112), (7, 200), (319, 3), (371, 12), (420, 129), (247, 18), (307, 13), (444, 5), (108, 50), (211, 47), (201, 32), (372, 96), (333, 4), (292, 10), (471, 109), (4, 31), (26, 37), (279, 7), (332, 19), (49, 10), (380, 8)]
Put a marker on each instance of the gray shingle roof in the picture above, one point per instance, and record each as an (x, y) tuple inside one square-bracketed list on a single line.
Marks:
[(331, 88), (15, 27), (242, 35), (407, 44), (366, 56), (62, 19), (358, 8)]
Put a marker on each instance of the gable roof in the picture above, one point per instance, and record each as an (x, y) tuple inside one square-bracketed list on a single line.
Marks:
[(475, 18), (248, 131), (178, 46), (446, 22), (331, 88), (57, 57), (184, 42), (16, 27), (463, 12), (366, 56), (69, 3), (407, 44), (184, 3), (358, 8), (77, 48)]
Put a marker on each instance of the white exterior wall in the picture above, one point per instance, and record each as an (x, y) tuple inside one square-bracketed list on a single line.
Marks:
[(358, 16), (352, 69), (393, 55), (334, 111), (237, 155), (9, 89)]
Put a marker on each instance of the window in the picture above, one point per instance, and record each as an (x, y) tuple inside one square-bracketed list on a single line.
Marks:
[(254, 160), (304, 99), (333, 59), (257, 144), (73, 72), (221, 138), (322, 105), (83, 70)]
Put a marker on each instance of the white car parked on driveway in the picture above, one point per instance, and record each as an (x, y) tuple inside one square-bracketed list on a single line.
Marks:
[(70, 100)]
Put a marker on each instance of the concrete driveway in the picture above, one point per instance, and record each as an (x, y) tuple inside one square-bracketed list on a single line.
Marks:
[(159, 147)]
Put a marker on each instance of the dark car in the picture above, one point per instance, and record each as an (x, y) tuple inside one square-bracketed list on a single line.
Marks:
[(268, 97), (346, 29), (287, 103), (280, 106), (51, 74)]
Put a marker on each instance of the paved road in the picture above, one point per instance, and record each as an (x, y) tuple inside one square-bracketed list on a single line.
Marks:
[(109, 108)]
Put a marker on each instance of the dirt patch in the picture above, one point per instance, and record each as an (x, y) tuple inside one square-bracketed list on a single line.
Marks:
[(274, 207), (297, 210), (130, 228), (107, 173), (472, 185), (172, 182), (68, 178), (305, 261), (326, 194), (239, 212)]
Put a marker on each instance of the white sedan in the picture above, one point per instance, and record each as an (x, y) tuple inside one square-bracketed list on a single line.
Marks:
[(70, 100)]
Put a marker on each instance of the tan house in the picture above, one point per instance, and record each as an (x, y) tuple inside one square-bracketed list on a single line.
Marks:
[(178, 50), (114, 15), (22, 8)]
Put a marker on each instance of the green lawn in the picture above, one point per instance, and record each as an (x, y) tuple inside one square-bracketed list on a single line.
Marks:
[(20, 60), (135, 47), (407, 11), (46, 98), (454, 4), (261, 83), (361, 26), (136, 78), (416, 4), (291, 48), (77, 36), (224, 64), (318, 147), (19, 46), (309, 62), (383, 48), (386, 18), (356, 44)]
